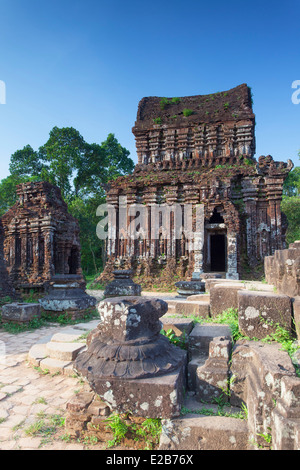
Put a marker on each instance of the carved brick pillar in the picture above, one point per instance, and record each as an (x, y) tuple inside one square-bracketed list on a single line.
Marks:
[(232, 261), (49, 269), (113, 206), (131, 201), (150, 201), (35, 250), (250, 197)]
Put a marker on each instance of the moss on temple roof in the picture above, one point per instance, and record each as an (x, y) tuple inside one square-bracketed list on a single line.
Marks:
[(230, 105)]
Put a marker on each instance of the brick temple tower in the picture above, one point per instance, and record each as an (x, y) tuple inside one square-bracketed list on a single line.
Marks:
[(198, 151), (40, 238)]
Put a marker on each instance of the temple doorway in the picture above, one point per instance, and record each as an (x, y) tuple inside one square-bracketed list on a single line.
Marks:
[(218, 252)]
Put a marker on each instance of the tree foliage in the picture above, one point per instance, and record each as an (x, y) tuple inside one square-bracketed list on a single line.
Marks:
[(290, 205)]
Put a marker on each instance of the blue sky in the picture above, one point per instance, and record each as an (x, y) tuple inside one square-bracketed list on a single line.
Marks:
[(86, 64)]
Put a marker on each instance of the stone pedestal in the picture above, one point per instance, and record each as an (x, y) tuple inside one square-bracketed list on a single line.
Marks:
[(67, 295), (122, 285), (129, 364), (186, 288)]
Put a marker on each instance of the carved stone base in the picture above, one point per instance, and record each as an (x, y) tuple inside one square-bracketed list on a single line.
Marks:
[(186, 288), (129, 364), (67, 295), (122, 285)]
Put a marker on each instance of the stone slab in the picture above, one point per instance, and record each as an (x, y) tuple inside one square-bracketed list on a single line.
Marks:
[(20, 312), (200, 432), (199, 297), (200, 309), (259, 312), (224, 296)]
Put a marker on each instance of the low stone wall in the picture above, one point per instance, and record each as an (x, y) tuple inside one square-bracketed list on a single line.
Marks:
[(264, 379), (283, 269)]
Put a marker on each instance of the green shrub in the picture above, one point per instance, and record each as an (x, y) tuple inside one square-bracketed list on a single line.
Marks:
[(187, 112)]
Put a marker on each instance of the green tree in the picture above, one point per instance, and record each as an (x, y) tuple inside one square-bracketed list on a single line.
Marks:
[(291, 186), (92, 249), (64, 153), (8, 194), (26, 162), (100, 164), (290, 206)]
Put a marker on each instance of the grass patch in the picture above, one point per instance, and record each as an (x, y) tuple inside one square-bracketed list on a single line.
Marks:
[(123, 427), (46, 426)]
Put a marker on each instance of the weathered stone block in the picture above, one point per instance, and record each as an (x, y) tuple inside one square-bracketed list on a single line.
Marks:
[(36, 354), (260, 312), (202, 335), (224, 296), (178, 325), (55, 366), (296, 314), (266, 361), (198, 308), (153, 397), (20, 312), (199, 432), (192, 367), (212, 377), (283, 269)]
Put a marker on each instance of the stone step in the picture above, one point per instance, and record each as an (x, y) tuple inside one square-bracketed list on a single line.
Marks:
[(67, 336), (54, 366), (198, 306), (64, 351)]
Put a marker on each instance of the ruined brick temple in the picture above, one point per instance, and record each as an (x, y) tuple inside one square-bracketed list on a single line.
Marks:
[(199, 150), (40, 238)]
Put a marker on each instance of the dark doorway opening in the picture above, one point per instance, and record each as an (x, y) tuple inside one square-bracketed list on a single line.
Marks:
[(216, 218), (73, 261), (218, 252)]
